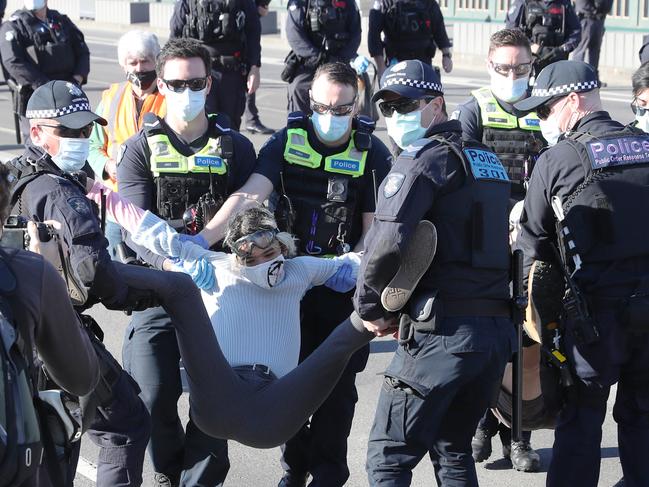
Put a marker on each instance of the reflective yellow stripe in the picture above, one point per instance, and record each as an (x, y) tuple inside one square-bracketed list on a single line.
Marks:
[(166, 159), (494, 116)]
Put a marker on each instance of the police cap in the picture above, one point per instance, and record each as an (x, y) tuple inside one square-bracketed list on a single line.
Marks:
[(64, 102), (410, 79), (558, 80)]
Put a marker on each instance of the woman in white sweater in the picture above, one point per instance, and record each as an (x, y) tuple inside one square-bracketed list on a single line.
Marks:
[(246, 386)]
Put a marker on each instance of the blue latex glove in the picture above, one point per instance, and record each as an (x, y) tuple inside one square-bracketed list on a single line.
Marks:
[(197, 239), (342, 281), (201, 272), (360, 64)]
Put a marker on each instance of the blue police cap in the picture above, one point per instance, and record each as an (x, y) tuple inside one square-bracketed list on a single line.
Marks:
[(64, 102), (410, 79), (558, 80)]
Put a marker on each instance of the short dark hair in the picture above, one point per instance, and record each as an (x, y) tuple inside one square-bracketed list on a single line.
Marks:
[(509, 37), (640, 79), (5, 193), (182, 48), (339, 73)]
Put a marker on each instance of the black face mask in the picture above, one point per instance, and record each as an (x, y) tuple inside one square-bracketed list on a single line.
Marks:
[(142, 79)]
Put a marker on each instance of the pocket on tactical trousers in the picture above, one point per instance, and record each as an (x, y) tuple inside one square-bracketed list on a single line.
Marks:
[(395, 413), (418, 343)]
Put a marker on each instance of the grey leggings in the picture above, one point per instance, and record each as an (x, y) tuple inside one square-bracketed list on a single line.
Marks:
[(223, 404)]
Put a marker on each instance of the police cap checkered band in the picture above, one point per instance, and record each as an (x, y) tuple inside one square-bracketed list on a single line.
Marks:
[(64, 102), (557, 80), (76, 107), (569, 88), (424, 85)]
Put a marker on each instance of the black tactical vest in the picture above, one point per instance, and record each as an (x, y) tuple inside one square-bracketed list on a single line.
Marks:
[(182, 190), (408, 29), (219, 24), (327, 24), (327, 219), (545, 23), (472, 224), (602, 213), (52, 42)]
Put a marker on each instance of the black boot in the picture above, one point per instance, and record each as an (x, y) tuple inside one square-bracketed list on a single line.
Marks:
[(522, 456), (256, 127), (481, 445), (293, 480)]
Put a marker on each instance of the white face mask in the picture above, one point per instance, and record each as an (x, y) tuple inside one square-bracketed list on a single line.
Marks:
[(34, 4), (551, 131), (186, 105), (72, 154), (331, 128), (508, 89), (642, 121), (266, 275)]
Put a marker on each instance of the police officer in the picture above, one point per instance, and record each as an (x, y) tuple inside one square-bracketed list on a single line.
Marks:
[(593, 179), (643, 54), (412, 29), (37, 45), (324, 167), (592, 15), (443, 374), (319, 32), (551, 26), (640, 103), (489, 116), (231, 31), (182, 166), (43, 189)]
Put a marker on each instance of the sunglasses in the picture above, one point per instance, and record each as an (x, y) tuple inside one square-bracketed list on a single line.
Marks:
[(261, 239), (637, 109), (68, 133), (179, 85), (402, 105), (339, 110), (519, 70)]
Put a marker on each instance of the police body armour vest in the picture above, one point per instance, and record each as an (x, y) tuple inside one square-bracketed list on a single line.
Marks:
[(182, 180), (219, 23), (544, 22), (471, 221), (408, 29), (516, 140), (325, 192), (327, 24), (602, 212)]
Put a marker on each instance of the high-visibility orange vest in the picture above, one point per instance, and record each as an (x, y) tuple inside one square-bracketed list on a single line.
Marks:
[(120, 111)]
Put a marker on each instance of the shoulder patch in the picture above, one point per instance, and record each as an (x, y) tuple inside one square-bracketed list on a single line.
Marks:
[(485, 165), (393, 183), (619, 151), (376, 5), (80, 205), (455, 115), (512, 9), (9, 35)]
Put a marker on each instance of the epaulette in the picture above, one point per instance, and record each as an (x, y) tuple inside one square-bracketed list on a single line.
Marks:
[(151, 124), (413, 150), (297, 120)]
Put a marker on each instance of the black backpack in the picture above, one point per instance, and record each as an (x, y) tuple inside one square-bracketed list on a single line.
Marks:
[(21, 449)]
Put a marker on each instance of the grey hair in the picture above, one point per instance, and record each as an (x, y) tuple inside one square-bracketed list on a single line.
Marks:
[(138, 43), (252, 220)]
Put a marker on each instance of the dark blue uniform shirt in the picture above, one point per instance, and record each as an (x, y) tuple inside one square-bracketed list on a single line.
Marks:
[(52, 197), (434, 172), (136, 182), (558, 172)]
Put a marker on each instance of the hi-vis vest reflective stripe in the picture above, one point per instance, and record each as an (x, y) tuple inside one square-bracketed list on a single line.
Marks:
[(495, 117), (166, 159), (350, 162)]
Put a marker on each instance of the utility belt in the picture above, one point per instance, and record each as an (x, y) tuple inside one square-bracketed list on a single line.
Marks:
[(591, 15), (426, 308), (230, 63)]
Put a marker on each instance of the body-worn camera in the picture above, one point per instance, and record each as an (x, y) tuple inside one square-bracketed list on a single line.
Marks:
[(14, 234)]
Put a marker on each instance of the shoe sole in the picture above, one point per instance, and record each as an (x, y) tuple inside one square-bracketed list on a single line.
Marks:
[(414, 263)]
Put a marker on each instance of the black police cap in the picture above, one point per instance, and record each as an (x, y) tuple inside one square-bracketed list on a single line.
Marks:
[(558, 80), (64, 102), (410, 79)]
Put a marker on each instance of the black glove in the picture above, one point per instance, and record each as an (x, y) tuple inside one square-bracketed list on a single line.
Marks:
[(136, 300)]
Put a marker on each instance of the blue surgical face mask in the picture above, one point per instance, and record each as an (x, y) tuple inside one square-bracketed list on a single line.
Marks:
[(331, 128), (405, 129), (72, 154), (508, 89)]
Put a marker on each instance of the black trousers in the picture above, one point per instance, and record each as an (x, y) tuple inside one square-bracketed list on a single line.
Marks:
[(592, 33), (228, 95)]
